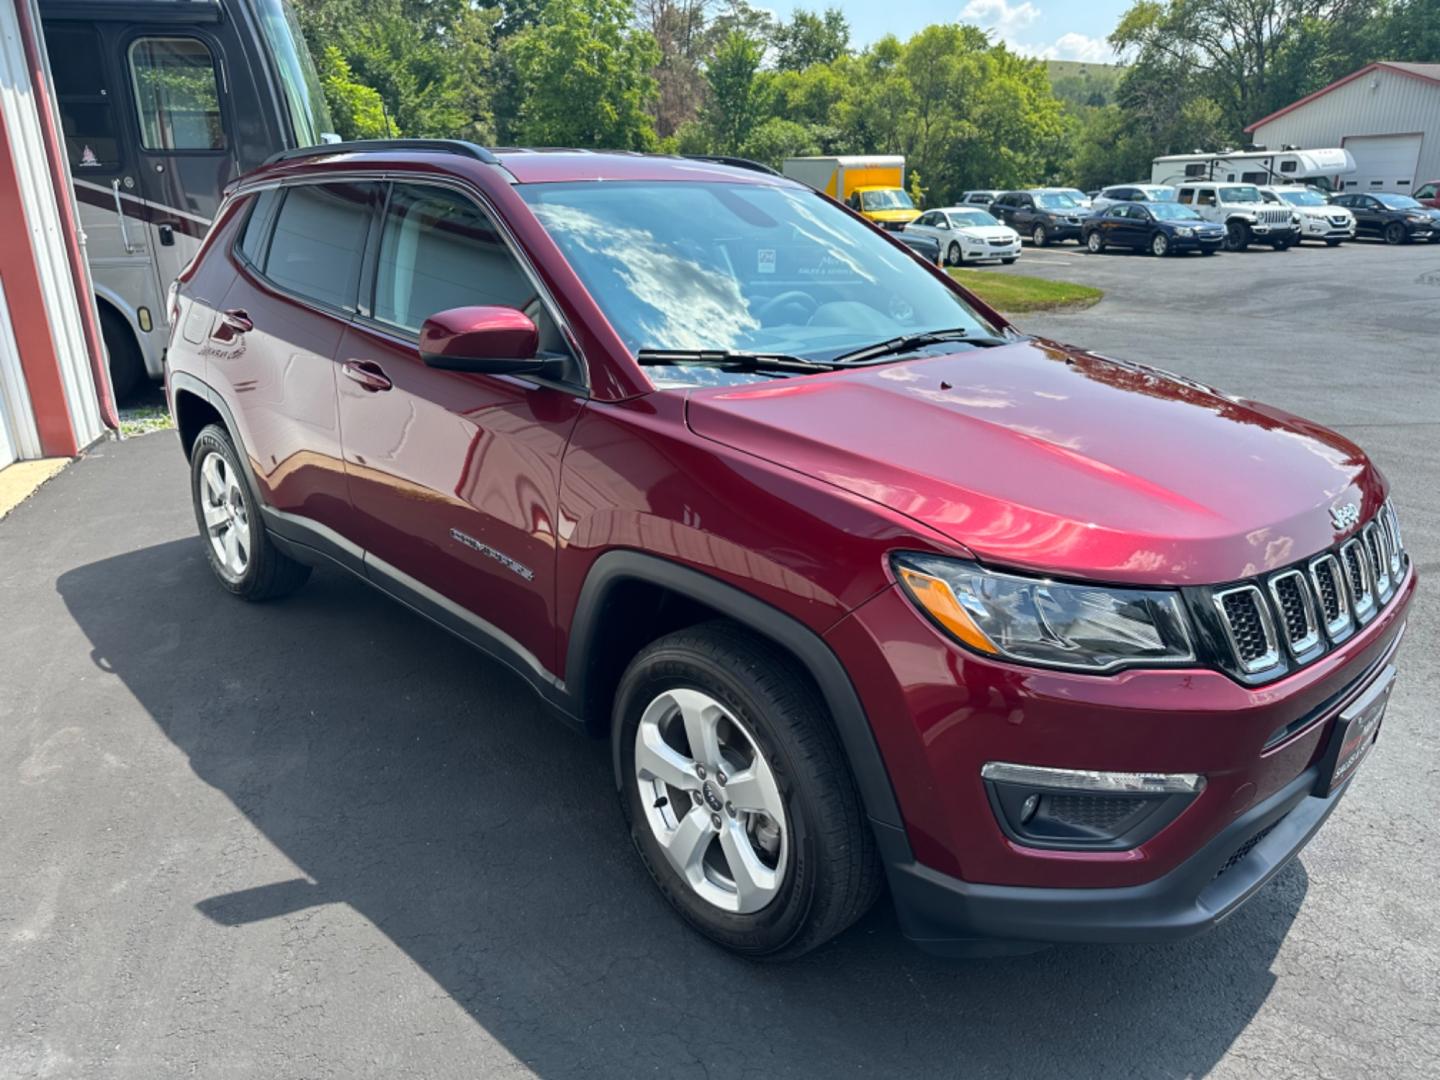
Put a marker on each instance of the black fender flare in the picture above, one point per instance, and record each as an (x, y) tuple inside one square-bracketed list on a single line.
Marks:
[(851, 723)]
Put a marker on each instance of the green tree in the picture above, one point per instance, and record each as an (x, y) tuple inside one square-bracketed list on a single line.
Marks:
[(584, 77), (736, 102), (809, 39), (357, 109)]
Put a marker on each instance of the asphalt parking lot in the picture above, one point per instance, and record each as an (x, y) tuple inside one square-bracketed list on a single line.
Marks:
[(323, 839)]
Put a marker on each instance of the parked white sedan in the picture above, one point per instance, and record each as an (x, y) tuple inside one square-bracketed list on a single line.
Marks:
[(968, 235)]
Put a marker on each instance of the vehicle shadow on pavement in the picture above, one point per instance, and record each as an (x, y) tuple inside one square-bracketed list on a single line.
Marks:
[(425, 787)]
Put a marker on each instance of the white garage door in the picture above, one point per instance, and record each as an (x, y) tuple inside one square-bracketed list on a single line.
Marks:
[(1383, 162)]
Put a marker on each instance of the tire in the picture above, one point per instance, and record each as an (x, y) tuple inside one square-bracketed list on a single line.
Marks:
[(821, 872), (1282, 245), (250, 566), (127, 366), (1395, 234), (1095, 242), (1237, 236), (1160, 245), (1039, 237), (953, 255), (1009, 261)]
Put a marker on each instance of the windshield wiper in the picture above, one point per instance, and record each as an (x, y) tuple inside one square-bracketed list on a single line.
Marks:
[(731, 361), (911, 342)]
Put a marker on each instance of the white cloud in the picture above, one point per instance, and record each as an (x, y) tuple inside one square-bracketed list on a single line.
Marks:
[(1005, 20), (1000, 16), (1074, 47)]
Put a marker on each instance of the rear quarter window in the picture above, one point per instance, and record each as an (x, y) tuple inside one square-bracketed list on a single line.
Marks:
[(319, 240)]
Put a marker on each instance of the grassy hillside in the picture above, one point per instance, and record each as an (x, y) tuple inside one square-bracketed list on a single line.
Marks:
[(1080, 83)]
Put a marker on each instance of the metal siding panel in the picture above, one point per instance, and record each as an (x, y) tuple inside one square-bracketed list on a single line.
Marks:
[(1397, 105)]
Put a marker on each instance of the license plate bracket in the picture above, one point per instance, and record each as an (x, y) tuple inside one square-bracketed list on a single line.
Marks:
[(1354, 732)]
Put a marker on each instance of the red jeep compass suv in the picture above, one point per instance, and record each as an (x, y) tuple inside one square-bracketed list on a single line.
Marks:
[(864, 586)]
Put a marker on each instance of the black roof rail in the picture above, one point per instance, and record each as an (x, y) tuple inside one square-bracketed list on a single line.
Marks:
[(427, 146), (736, 162)]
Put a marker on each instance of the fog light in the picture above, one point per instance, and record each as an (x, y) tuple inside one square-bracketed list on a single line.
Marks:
[(1075, 809)]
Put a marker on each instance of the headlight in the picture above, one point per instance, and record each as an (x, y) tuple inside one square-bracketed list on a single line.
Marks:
[(1416, 217), (1053, 624), (1184, 230)]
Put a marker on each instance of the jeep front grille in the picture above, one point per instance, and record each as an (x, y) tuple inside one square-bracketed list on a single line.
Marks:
[(1300, 609), (1275, 217)]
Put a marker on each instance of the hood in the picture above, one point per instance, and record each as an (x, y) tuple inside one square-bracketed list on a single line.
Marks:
[(989, 232), (1063, 462), (1327, 211), (891, 215)]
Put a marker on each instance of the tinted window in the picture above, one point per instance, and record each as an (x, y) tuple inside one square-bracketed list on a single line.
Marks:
[(1398, 202), (318, 240), (1194, 170), (1426, 192), (1187, 196), (438, 251), (257, 226), (81, 92), (1205, 198), (1289, 166), (176, 95)]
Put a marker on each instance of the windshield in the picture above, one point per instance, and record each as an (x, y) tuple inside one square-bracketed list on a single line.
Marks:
[(1241, 193), (1076, 194), (965, 218), (1173, 212), (750, 268), (1055, 200), (886, 199), (1303, 198), (1399, 202), (1159, 194), (300, 82)]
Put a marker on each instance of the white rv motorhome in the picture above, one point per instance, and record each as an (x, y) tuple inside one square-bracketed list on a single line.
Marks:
[(1259, 167), (162, 103)]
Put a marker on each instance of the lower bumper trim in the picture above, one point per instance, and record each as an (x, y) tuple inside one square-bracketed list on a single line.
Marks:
[(946, 915)]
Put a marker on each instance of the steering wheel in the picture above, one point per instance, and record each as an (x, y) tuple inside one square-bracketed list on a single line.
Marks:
[(792, 296)]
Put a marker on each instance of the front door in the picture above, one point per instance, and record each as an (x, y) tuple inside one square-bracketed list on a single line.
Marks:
[(454, 477)]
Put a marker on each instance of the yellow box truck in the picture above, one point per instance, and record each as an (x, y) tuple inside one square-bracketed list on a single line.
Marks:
[(875, 186)]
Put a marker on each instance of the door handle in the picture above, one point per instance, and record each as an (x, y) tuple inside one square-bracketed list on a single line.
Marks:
[(237, 321), (120, 215), (367, 374)]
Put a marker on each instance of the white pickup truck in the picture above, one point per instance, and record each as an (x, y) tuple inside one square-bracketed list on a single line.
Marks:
[(1320, 219), (1247, 218)]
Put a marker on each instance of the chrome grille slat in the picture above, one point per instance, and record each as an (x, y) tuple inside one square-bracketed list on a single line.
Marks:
[(1304, 605), (1291, 593)]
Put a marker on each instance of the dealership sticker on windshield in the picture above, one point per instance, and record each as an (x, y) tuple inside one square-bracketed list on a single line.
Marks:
[(765, 261)]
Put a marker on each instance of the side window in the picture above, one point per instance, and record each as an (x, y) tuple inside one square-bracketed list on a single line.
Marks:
[(257, 226), (1289, 166), (1254, 177), (438, 250), (319, 239), (176, 94), (1427, 191), (941, 221), (82, 94), (1187, 196), (1026, 201), (853, 201), (1206, 197)]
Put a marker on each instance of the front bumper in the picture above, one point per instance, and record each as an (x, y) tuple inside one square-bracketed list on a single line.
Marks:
[(946, 915), (1274, 234), (1197, 243), (975, 250), (1317, 228), (940, 713)]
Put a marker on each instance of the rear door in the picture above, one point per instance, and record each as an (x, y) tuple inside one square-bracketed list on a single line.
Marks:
[(272, 345)]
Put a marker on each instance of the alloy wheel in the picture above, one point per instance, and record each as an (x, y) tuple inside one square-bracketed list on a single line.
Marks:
[(1395, 233), (227, 523), (711, 800), (954, 256), (1160, 245), (1095, 243), (1039, 237)]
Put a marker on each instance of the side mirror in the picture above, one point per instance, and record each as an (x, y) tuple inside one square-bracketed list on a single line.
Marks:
[(484, 340)]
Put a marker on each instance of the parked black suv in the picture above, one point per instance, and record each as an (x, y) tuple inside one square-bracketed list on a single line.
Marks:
[(1041, 215)]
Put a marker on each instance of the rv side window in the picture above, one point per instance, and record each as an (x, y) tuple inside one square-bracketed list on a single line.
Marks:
[(1254, 177), (1289, 166), (83, 96), (1194, 170), (319, 238), (176, 94)]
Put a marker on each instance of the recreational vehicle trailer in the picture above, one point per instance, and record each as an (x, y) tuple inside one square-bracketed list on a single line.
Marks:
[(163, 102), (1260, 167)]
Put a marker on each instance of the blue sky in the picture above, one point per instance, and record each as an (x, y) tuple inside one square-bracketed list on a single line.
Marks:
[(1055, 29)]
